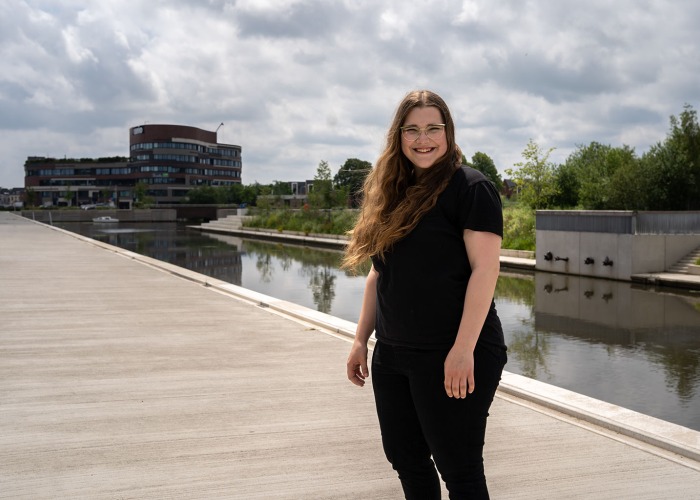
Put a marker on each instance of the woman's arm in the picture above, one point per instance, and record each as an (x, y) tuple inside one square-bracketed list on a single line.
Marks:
[(483, 249), (357, 360)]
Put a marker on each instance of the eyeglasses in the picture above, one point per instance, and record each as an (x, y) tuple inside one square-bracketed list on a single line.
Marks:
[(412, 133)]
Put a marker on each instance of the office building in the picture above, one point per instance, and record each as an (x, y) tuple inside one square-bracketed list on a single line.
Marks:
[(164, 163)]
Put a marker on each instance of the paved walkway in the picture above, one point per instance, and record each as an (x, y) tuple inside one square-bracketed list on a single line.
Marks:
[(124, 377)]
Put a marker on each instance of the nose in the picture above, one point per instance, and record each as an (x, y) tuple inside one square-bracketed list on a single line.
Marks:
[(421, 134)]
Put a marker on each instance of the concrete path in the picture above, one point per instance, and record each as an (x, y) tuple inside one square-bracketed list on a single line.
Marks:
[(123, 377)]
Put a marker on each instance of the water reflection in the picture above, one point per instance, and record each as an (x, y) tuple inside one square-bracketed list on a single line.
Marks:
[(319, 267), (631, 346), (169, 242), (664, 327)]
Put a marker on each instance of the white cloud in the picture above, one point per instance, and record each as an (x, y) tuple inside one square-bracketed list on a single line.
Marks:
[(299, 81)]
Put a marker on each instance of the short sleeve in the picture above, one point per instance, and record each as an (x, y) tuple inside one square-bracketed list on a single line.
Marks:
[(479, 207)]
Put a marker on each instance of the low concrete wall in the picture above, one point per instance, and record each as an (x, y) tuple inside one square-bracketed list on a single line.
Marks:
[(520, 254), (628, 254), (145, 215), (613, 244)]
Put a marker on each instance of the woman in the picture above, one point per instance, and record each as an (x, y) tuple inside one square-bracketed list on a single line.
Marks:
[(432, 229)]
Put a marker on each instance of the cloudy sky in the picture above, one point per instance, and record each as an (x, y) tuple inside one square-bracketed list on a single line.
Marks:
[(300, 81)]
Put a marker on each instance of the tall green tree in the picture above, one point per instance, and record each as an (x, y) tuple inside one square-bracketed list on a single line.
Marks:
[(483, 163), (351, 177), (534, 177), (594, 167), (673, 166), (568, 185), (629, 187), (323, 195)]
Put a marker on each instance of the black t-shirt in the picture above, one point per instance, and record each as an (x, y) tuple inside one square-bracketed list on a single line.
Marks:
[(423, 280)]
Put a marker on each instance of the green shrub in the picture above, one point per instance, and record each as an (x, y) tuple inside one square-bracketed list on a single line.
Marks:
[(305, 221), (518, 227)]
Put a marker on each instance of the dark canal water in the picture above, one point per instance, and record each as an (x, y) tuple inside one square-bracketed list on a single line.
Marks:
[(631, 346)]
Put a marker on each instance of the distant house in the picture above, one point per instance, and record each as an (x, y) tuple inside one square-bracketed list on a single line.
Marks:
[(11, 198), (301, 188), (509, 188)]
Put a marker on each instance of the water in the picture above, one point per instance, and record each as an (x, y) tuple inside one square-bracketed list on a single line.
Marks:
[(631, 346)]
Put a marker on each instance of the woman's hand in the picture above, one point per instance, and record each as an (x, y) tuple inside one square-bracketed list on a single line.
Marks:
[(357, 364), (459, 372), (483, 249), (357, 360)]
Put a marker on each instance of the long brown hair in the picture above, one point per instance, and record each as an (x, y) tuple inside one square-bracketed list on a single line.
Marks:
[(394, 198)]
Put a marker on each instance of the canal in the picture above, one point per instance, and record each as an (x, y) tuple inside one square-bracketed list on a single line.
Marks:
[(632, 346)]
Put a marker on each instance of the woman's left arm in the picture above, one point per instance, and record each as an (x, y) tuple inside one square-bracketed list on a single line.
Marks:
[(483, 250)]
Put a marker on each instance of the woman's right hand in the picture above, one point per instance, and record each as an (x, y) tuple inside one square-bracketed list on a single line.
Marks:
[(357, 364), (357, 360)]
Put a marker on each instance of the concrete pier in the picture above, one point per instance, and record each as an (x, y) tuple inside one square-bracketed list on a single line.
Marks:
[(125, 377)]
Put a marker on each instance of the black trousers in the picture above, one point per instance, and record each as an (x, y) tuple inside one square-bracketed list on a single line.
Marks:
[(418, 420)]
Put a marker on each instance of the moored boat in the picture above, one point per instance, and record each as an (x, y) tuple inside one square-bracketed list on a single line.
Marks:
[(105, 219)]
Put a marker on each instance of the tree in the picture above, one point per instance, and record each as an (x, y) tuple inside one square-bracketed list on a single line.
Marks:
[(141, 195), (483, 163), (535, 177), (280, 188), (204, 195), (674, 165), (351, 177), (629, 187), (322, 195), (567, 182), (594, 167), (30, 197), (249, 194)]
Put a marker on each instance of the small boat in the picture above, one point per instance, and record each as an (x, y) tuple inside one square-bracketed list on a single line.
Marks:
[(105, 219)]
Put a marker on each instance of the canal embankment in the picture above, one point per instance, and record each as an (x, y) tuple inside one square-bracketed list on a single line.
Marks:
[(126, 376), (510, 259)]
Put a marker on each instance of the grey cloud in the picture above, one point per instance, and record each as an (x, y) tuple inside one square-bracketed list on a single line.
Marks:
[(533, 74), (311, 20), (327, 137), (629, 115)]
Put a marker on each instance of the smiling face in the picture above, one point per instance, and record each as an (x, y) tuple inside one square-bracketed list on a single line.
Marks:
[(424, 152)]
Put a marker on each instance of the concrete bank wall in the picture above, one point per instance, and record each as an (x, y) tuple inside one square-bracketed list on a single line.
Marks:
[(145, 215), (609, 255)]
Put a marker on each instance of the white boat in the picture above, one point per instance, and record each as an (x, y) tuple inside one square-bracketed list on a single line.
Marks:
[(105, 219)]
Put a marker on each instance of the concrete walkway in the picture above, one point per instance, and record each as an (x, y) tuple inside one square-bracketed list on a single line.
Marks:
[(125, 377)]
